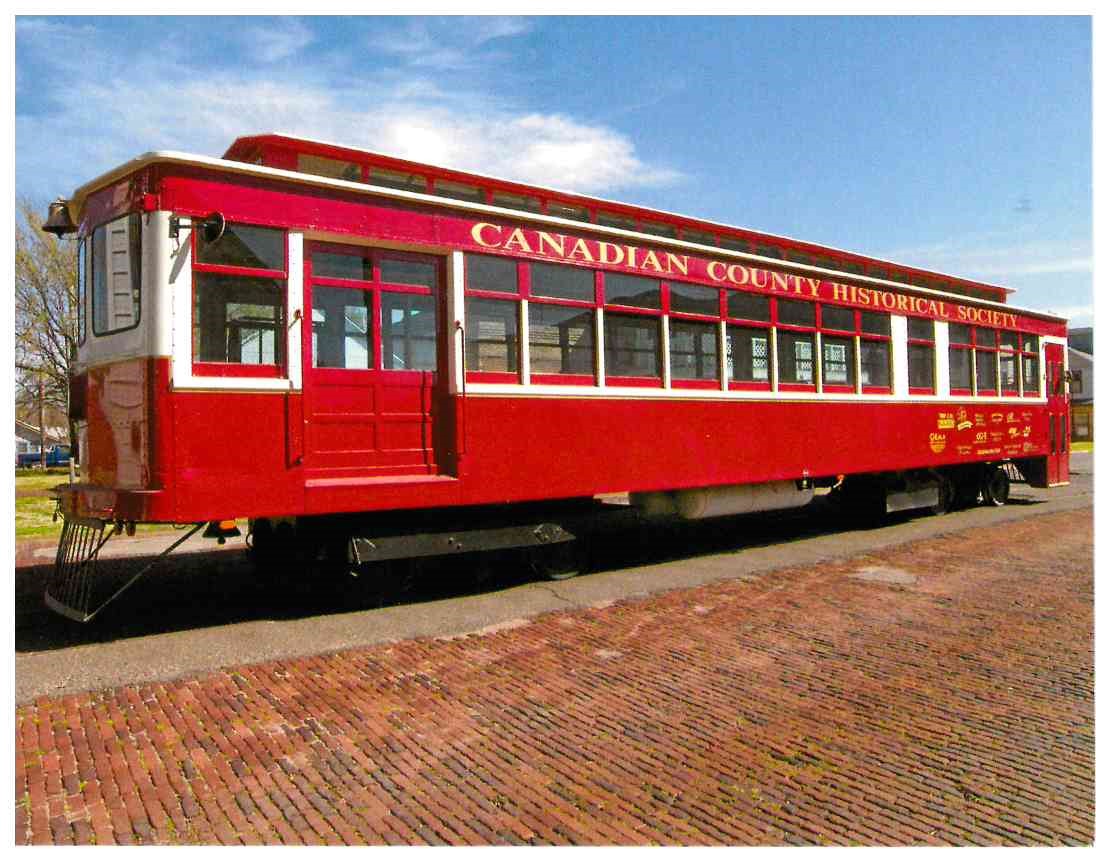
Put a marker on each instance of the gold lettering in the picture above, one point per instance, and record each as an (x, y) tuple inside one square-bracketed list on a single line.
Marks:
[(631, 253), (814, 284), (603, 253), (779, 281), (840, 291), (651, 261), (477, 233), (903, 303), (581, 249), (738, 274), (518, 238), (678, 262), (546, 238), (713, 267)]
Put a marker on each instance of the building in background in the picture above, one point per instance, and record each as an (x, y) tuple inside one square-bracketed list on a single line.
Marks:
[(27, 437), (1080, 385)]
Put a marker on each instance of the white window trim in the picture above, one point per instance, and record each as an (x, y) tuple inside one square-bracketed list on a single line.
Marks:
[(182, 282)]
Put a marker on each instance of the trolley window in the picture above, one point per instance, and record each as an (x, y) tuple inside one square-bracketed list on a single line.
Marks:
[(961, 358), (921, 355), (620, 222), (341, 327), (698, 300), (397, 179), (116, 275), (1008, 362), (341, 266), (629, 290), (81, 291), (459, 191), (748, 354), (408, 331), (323, 166), (985, 360), (562, 281), (565, 210), (512, 201), (239, 302), (875, 364), (743, 305), (239, 320), (837, 360), (699, 237), (1029, 364), (492, 335), (632, 345), (693, 354), (491, 274), (561, 340), (795, 357)]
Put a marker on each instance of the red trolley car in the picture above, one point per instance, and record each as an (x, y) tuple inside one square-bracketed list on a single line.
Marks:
[(331, 341)]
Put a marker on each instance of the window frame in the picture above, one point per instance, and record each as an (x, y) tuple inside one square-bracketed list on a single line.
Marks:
[(862, 336), (90, 281), (853, 364), (987, 349), (1029, 356), (376, 286), (1002, 354), (924, 343), (201, 368), (968, 347)]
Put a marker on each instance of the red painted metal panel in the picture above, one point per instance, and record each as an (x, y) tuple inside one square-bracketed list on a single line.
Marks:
[(167, 455)]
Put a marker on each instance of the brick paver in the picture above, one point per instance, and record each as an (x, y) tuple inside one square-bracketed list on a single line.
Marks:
[(802, 706)]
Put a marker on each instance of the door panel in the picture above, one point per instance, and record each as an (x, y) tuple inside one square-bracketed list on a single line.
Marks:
[(370, 361), (1058, 412)]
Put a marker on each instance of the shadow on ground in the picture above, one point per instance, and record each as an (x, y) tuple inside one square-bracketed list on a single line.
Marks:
[(209, 589)]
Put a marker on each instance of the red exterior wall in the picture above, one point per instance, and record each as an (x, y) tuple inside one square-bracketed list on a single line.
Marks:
[(194, 455)]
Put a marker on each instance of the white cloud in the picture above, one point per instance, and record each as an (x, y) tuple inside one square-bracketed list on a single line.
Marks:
[(277, 40), (446, 43), (162, 101)]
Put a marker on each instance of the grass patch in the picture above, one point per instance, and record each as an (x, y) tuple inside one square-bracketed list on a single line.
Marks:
[(34, 518), (29, 481), (1082, 447)]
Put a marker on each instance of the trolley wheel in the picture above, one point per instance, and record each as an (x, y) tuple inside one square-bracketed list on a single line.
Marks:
[(947, 497), (995, 487), (557, 562), (967, 488)]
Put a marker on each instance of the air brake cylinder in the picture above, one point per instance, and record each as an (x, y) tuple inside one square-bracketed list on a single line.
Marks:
[(710, 501)]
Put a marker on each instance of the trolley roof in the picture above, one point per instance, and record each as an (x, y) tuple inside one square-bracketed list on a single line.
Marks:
[(258, 147), (247, 148)]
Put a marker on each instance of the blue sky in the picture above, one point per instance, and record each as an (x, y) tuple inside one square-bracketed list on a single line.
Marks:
[(959, 144)]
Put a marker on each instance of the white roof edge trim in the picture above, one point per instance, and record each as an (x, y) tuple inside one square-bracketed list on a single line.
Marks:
[(155, 157)]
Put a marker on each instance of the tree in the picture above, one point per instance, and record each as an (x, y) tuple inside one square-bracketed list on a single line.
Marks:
[(45, 314)]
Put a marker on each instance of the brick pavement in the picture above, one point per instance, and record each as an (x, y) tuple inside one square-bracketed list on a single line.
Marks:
[(803, 706)]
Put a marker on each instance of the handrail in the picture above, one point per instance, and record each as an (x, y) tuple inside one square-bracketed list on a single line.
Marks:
[(459, 328)]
